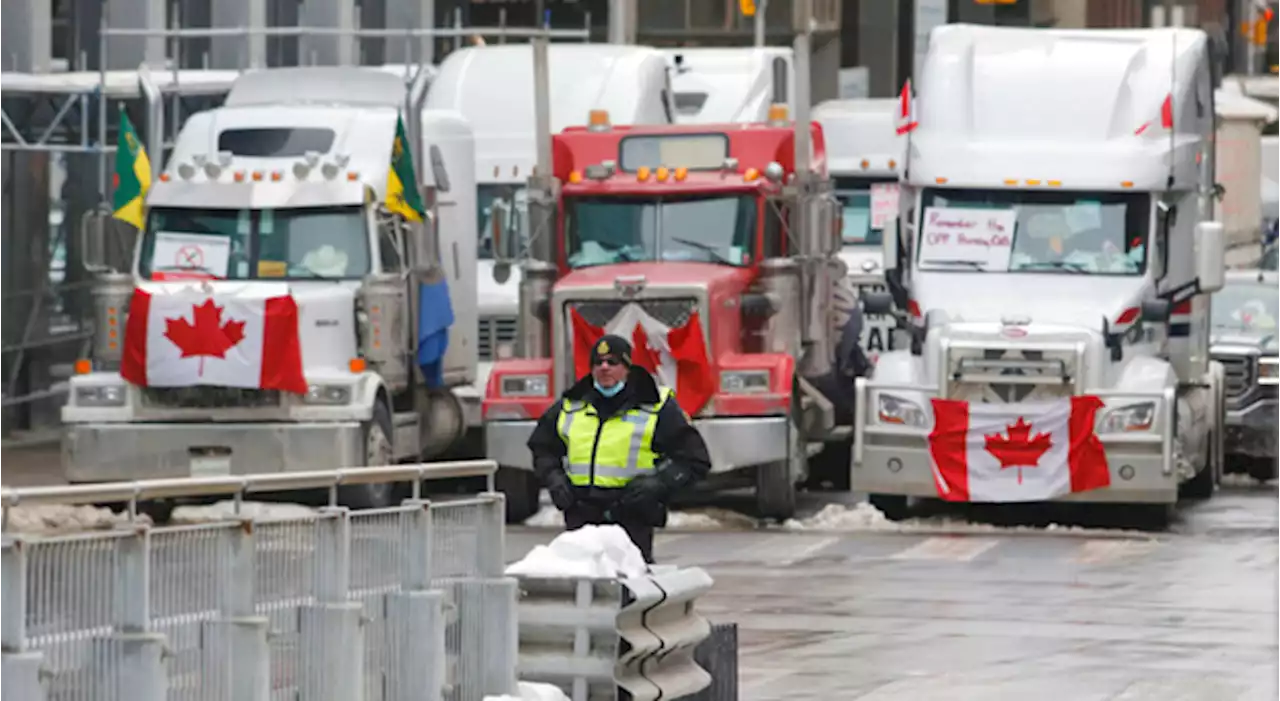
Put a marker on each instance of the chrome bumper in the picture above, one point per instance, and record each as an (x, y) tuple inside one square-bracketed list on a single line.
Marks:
[(734, 443), (115, 452), (1251, 430), (892, 459)]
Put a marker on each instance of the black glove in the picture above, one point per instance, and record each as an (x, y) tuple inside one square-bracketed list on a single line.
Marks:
[(561, 490), (642, 493)]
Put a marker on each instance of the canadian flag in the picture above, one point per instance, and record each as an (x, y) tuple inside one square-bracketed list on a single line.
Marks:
[(677, 356), (245, 337), (1166, 116), (906, 113), (1011, 453)]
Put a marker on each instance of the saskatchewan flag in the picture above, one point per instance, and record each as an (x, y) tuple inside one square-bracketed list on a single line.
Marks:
[(403, 197), (133, 175)]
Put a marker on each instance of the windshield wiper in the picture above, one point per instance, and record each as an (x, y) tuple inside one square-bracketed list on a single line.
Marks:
[(185, 269), (973, 264), (705, 248), (1056, 265)]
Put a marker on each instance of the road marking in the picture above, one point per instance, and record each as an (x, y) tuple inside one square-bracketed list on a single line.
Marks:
[(783, 550), (949, 549), (1093, 552), (799, 554)]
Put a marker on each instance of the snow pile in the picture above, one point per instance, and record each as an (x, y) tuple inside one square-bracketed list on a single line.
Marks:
[(531, 691), (49, 519), (590, 551), (1237, 479), (226, 510), (866, 518), (838, 517)]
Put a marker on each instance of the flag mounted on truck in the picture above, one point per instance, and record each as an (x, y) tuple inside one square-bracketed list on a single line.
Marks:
[(132, 178), (435, 310)]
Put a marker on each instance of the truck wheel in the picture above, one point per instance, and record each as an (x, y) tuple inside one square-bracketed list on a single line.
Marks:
[(895, 507), (377, 453), (775, 492), (521, 490)]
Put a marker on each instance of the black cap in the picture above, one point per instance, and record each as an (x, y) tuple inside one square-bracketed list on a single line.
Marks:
[(611, 346)]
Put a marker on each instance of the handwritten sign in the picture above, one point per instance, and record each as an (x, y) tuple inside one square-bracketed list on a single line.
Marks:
[(884, 204), (952, 239), (197, 252)]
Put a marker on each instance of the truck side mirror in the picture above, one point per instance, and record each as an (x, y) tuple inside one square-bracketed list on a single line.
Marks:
[(1210, 263), (889, 242), (93, 240)]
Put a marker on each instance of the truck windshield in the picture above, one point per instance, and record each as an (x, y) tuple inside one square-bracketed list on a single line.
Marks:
[(1246, 306), (705, 229), (249, 244), (1098, 233), (514, 197), (860, 200)]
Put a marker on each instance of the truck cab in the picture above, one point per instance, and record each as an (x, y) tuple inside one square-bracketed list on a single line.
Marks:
[(684, 238), (865, 152), (492, 88), (730, 85), (1057, 242), (283, 197)]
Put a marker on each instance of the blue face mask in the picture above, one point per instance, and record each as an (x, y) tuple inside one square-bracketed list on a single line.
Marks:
[(610, 391)]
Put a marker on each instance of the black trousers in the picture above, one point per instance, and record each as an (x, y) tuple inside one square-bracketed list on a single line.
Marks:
[(597, 513)]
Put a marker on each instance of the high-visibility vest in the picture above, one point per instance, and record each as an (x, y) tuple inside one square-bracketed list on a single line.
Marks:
[(612, 453)]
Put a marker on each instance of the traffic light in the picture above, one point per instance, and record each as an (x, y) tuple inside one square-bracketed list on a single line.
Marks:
[(748, 7)]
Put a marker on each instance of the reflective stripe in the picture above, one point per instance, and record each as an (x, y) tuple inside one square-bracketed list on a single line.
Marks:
[(623, 445)]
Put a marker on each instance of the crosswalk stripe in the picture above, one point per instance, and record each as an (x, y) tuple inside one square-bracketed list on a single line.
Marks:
[(1092, 552), (782, 550), (945, 548), (803, 552)]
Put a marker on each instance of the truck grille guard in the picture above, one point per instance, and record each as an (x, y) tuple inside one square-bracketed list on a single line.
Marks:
[(208, 398), (1009, 373)]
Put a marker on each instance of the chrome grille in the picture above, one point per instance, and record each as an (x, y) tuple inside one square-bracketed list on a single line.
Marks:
[(673, 312), (1240, 371), (209, 397), (1034, 374), (495, 330)]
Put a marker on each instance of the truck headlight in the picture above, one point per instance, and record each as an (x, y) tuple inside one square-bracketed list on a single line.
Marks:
[(524, 386), (1132, 417), (328, 394), (1268, 371), (896, 410), (101, 395), (744, 381)]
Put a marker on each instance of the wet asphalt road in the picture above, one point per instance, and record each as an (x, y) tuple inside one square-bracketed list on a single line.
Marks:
[(1068, 615)]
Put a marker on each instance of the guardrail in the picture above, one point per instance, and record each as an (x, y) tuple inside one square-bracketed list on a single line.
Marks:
[(393, 604), (599, 638)]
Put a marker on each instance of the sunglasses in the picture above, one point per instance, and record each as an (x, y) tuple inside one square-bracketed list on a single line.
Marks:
[(609, 362)]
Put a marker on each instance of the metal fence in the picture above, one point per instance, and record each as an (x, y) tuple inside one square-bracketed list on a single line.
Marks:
[(393, 604)]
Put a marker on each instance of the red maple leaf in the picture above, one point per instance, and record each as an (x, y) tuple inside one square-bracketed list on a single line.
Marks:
[(207, 337), (1019, 450)]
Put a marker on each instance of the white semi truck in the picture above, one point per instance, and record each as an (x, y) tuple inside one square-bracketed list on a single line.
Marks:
[(864, 152), (730, 85), (1057, 242), (278, 194)]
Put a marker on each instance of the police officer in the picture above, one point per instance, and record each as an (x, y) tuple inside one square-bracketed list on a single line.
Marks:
[(616, 447)]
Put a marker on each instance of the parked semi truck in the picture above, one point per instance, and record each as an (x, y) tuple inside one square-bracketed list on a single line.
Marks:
[(714, 247), (1057, 243), (864, 152), (267, 239)]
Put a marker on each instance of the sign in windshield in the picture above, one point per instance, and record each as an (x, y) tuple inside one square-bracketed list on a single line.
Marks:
[(1103, 233)]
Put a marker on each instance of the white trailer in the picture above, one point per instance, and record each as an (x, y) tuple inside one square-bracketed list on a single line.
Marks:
[(730, 86), (864, 152), (279, 192), (1090, 275), (492, 88)]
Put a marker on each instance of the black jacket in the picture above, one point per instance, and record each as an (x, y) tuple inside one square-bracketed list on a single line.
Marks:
[(674, 438)]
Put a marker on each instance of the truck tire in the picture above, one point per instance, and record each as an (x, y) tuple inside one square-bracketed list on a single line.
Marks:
[(1203, 485), (895, 507), (378, 452), (521, 490), (775, 491)]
